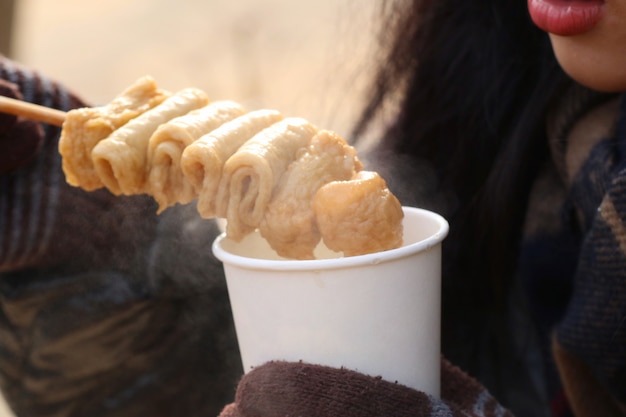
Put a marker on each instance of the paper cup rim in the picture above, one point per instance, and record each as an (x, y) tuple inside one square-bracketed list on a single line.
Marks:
[(337, 263)]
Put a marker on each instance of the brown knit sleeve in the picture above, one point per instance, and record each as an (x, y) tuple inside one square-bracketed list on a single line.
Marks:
[(105, 308)]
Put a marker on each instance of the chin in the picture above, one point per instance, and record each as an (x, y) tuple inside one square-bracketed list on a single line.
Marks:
[(596, 65), (598, 81)]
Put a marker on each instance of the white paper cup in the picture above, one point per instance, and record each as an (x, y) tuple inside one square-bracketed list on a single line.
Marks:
[(378, 314)]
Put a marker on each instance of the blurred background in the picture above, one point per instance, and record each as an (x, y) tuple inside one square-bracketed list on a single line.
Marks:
[(306, 58)]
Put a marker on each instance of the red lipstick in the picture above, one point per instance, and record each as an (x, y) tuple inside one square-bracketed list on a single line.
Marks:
[(566, 17)]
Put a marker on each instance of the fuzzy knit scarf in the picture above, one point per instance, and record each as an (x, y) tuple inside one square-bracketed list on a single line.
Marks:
[(589, 340), (573, 261)]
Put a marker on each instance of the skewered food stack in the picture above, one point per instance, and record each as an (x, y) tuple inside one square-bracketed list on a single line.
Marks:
[(295, 183)]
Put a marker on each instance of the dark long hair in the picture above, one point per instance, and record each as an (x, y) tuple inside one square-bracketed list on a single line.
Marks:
[(472, 81)]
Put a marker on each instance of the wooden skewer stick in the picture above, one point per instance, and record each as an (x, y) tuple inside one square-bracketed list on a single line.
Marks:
[(32, 111)]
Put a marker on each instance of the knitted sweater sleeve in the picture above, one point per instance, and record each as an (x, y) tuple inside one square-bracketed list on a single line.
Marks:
[(105, 307)]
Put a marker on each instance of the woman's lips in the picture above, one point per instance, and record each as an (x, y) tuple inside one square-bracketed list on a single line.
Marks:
[(566, 17)]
